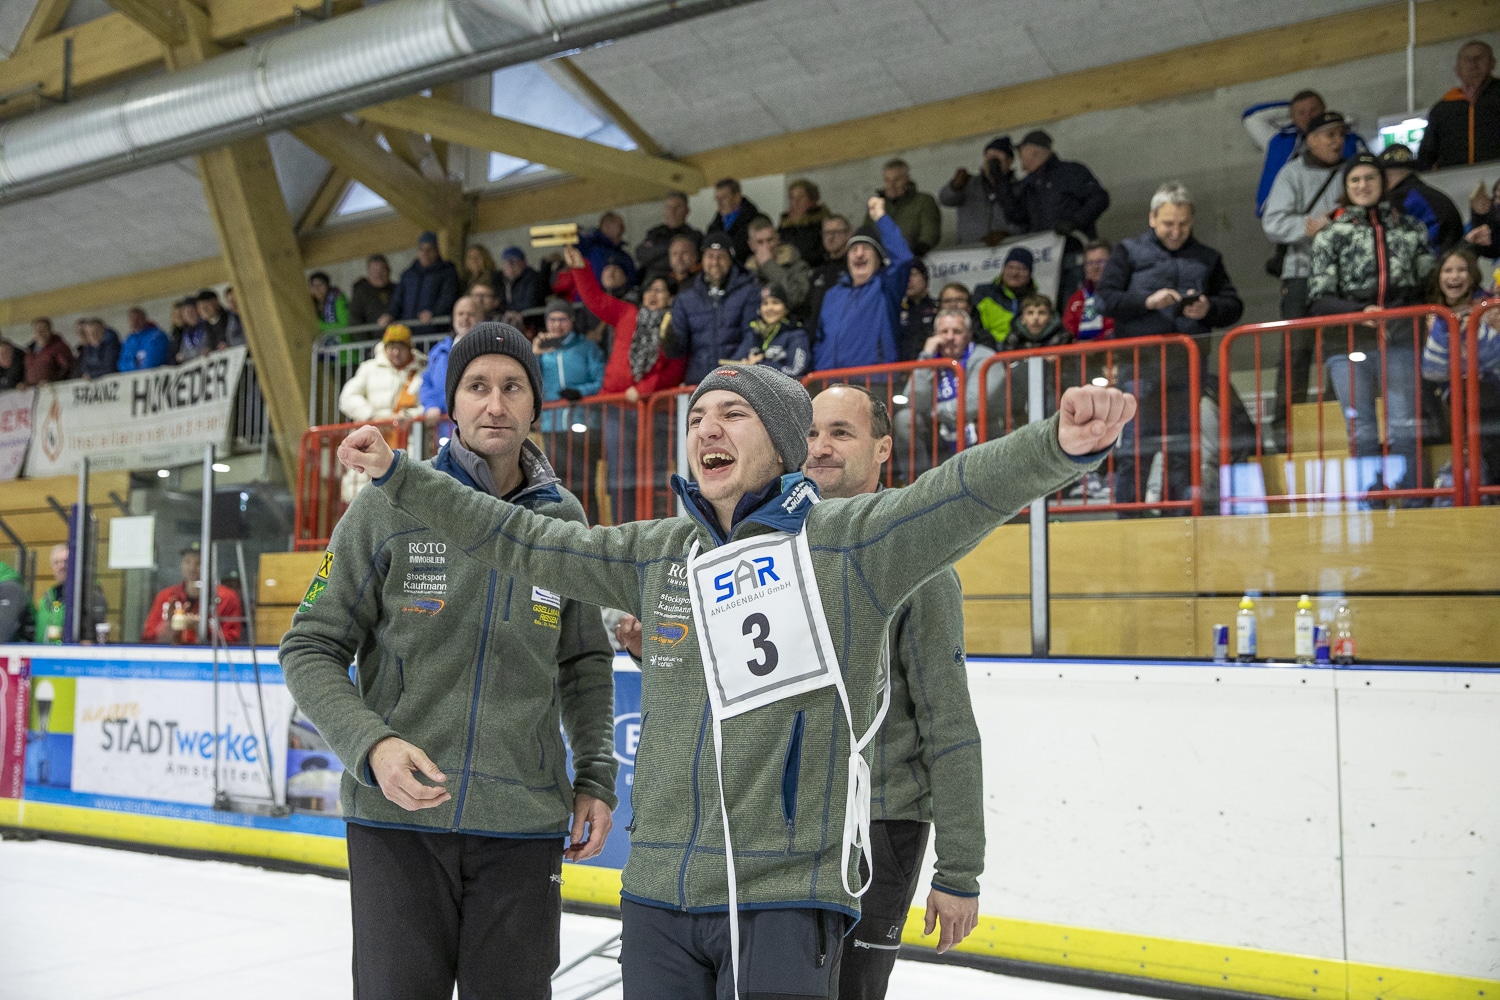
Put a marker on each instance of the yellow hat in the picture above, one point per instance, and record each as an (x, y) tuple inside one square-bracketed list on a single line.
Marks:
[(397, 333)]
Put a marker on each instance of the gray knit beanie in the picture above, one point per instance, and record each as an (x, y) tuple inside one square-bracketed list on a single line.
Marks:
[(494, 338), (780, 401)]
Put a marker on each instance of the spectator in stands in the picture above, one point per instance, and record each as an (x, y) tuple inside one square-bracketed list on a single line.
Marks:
[(98, 351), (12, 365), (918, 312), (651, 253), (1057, 195), (17, 616), (1458, 285), (385, 387), (521, 286), (933, 394), (836, 233), (915, 213), (606, 245), (51, 609), (802, 222), (48, 358), (485, 300), (981, 208), (220, 329), (957, 296), (775, 339), (329, 302), (773, 262), (733, 219), (1420, 200), (1303, 198), (1373, 256), (684, 259), (147, 346), (710, 315), (1084, 313), (479, 267), (1464, 127), (572, 368), (857, 325), (433, 394), (1483, 234), (230, 302), (172, 618), (1280, 128), (637, 366), (370, 298), (1039, 326), (998, 302), (427, 288), (1164, 281), (184, 321)]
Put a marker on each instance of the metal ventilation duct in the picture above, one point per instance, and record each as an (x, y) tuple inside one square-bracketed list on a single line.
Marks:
[(375, 54)]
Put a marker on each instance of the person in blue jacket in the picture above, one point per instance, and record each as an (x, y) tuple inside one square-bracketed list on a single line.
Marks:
[(710, 315), (433, 392), (858, 319), (572, 366), (774, 339), (427, 288), (606, 245), (147, 346), (1279, 127)]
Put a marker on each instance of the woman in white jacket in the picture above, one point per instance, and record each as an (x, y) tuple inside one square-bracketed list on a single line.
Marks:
[(383, 387)]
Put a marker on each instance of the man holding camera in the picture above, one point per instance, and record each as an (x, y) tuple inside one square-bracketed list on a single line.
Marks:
[(1164, 281)]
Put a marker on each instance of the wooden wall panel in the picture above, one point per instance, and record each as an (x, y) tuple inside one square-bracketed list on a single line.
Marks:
[(284, 576)]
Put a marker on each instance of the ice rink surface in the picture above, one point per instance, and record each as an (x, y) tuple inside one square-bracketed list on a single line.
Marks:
[(90, 923)]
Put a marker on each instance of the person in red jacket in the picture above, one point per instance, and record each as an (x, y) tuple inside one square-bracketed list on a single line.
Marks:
[(172, 618), (49, 358), (637, 367), (1083, 315)]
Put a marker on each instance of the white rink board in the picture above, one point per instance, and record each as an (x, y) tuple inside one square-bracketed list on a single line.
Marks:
[(1201, 802)]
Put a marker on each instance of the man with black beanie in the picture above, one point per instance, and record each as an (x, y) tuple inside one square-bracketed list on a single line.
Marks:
[(455, 786)]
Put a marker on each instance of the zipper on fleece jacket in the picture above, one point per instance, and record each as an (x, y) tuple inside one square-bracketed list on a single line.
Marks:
[(484, 641), (687, 854)]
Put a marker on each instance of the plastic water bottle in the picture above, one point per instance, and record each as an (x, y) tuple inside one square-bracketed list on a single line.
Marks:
[(1304, 630), (1343, 634), (1244, 631)]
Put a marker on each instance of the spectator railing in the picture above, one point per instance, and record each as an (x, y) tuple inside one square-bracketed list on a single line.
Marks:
[(321, 493), (1473, 397), (336, 359), (1333, 470), (663, 426), (1172, 384), (594, 447), (913, 453)]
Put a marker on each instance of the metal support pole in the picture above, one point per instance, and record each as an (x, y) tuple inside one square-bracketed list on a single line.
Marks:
[(206, 589), (78, 557), (1411, 56), (1041, 622)]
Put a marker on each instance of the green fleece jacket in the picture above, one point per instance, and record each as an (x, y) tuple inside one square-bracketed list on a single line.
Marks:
[(786, 763), (472, 664), (925, 763)]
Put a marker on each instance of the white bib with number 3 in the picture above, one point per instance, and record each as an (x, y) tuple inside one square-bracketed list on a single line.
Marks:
[(764, 638)]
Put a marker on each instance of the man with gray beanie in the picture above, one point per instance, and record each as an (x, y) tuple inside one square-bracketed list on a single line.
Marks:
[(455, 788), (765, 614)]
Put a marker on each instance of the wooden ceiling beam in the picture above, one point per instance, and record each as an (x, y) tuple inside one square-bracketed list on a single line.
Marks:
[(161, 18)]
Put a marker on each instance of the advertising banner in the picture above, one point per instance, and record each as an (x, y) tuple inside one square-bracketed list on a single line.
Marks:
[(15, 430), (977, 265), (12, 726), (136, 420)]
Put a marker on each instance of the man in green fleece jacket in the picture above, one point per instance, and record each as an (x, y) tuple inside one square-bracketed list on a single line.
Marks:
[(455, 786), (786, 765)]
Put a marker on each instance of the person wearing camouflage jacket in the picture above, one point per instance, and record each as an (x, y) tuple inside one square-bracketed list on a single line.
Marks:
[(785, 762), (1373, 256)]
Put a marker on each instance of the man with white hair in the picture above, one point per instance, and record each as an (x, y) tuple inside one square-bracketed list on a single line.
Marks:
[(1161, 282)]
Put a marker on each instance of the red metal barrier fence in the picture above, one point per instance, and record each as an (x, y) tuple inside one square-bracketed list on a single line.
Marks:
[(324, 486), (1373, 362), (1482, 400), (1164, 373)]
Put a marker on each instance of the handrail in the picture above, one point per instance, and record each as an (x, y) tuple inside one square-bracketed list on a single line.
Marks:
[(1193, 504), (1349, 320), (1476, 490), (309, 535)]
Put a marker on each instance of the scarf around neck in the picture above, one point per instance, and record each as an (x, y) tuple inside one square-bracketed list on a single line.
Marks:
[(645, 345)]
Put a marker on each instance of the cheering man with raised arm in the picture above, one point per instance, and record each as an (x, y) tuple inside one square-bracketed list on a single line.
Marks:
[(766, 614)]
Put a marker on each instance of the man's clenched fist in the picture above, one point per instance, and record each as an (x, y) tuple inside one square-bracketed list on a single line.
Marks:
[(364, 449), (1091, 418)]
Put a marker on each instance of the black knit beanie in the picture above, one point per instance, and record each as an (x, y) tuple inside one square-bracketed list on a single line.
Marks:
[(782, 404), (494, 338)]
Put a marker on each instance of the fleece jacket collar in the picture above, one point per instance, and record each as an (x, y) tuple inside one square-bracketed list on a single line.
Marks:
[(471, 470), (782, 505)]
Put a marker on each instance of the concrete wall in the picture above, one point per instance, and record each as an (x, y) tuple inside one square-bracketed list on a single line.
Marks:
[(1198, 140)]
